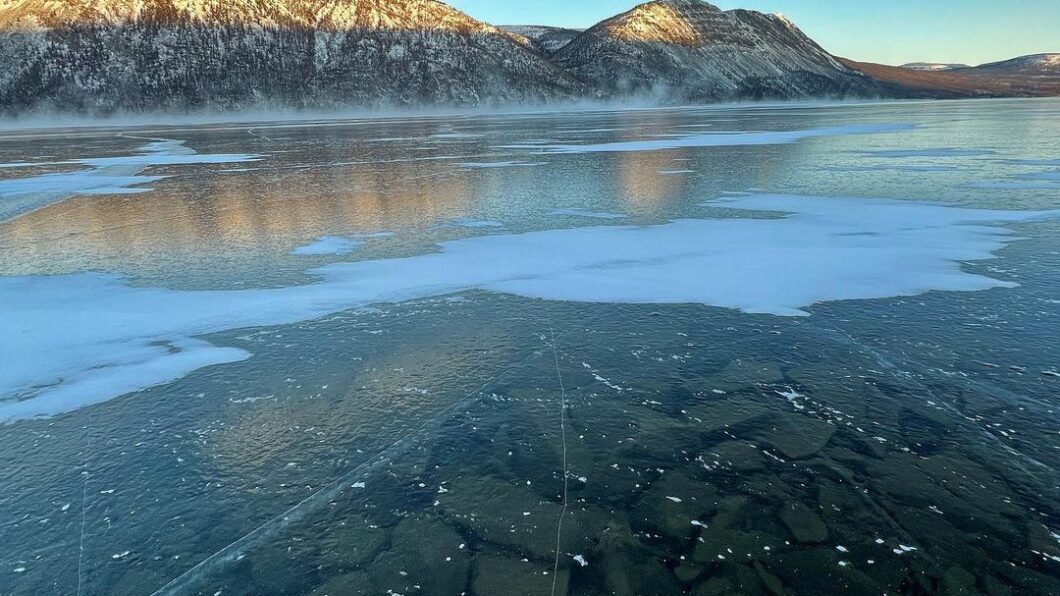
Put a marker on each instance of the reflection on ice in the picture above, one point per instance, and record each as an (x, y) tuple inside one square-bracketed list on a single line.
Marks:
[(70, 341), (719, 139)]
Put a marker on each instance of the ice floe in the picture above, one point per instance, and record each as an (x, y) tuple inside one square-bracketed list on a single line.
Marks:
[(71, 341), (718, 139)]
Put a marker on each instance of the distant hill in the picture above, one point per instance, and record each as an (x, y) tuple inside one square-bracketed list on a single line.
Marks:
[(1036, 65), (1026, 76)]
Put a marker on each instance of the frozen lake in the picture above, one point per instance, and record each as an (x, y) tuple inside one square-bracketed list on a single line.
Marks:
[(748, 349)]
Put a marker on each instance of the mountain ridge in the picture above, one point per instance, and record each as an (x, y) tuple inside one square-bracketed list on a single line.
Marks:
[(102, 56), (329, 15)]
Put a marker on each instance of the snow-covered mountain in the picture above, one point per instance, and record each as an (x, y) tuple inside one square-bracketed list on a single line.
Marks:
[(109, 55), (932, 66), (102, 56), (692, 50)]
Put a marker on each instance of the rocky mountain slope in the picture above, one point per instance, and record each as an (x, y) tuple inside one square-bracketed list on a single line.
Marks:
[(692, 51), (109, 55)]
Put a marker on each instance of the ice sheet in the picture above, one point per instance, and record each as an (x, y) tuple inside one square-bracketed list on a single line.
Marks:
[(718, 139), (75, 340), (107, 175)]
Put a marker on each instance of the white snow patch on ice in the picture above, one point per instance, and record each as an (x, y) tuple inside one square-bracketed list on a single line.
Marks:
[(578, 212), (475, 223), (107, 175), (327, 245), (31, 164), (71, 341), (484, 165)]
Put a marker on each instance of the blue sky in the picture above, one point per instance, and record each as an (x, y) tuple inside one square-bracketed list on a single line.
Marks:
[(886, 31)]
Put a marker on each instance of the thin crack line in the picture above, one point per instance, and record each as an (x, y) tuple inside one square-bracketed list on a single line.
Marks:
[(84, 515), (563, 435)]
